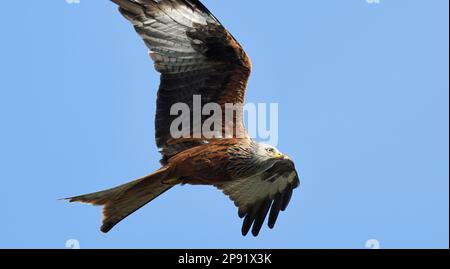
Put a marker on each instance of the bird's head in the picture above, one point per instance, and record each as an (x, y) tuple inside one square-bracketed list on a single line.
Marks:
[(269, 153)]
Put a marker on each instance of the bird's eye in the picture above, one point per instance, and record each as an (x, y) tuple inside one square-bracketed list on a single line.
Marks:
[(270, 150)]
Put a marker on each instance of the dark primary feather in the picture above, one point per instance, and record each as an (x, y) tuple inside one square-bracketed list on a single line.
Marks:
[(195, 55), (261, 216), (276, 207)]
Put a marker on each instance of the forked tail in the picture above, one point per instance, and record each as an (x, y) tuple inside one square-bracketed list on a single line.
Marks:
[(122, 201)]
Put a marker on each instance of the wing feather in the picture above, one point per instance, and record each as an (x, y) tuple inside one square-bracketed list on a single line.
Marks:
[(195, 55), (258, 195)]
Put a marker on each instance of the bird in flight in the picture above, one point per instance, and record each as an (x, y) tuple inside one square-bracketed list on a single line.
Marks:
[(197, 56)]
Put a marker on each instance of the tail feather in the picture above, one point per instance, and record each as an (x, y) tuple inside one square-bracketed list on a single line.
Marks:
[(98, 198), (122, 201)]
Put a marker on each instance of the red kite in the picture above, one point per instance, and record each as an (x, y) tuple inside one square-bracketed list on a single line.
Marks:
[(196, 55)]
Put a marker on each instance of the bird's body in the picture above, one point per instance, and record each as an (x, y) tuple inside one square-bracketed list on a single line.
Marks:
[(196, 55)]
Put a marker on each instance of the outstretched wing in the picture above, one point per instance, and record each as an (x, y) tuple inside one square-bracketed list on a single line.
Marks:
[(256, 196), (195, 55)]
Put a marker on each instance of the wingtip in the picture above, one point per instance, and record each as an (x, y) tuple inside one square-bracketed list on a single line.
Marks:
[(244, 231), (128, 6), (255, 233)]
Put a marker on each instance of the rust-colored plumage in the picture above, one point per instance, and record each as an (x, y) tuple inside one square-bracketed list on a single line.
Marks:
[(197, 56)]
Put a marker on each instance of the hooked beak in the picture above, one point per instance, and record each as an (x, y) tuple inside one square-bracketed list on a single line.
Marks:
[(278, 156), (282, 156)]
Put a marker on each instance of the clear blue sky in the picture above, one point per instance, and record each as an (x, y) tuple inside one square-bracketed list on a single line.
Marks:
[(363, 96)]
